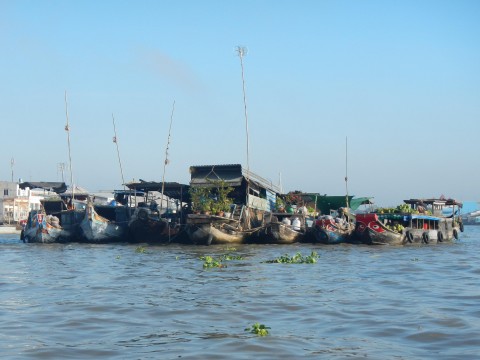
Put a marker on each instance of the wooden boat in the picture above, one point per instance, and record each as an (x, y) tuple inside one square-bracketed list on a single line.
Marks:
[(41, 228), (215, 229), (448, 210), (417, 222), (339, 227), (234, 202), (104, 223), (285, 228), (154, 224), (54, 221)]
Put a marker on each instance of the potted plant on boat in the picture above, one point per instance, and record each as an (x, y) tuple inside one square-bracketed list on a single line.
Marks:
[(201, 200), (223, 201)]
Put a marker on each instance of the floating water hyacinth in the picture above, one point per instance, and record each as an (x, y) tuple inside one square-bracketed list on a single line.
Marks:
[(141, 250), (211, 262), (298, 258), (258, 329)]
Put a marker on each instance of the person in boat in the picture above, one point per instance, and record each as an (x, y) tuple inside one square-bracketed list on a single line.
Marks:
[(154, 206), (303, 210), (70, 204), (421, 207)]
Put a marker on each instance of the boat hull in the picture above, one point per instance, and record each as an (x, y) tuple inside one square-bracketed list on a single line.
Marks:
[(326, 231), (95, 228), (45, 234), (147, 226), (211, 229), (280, 233)]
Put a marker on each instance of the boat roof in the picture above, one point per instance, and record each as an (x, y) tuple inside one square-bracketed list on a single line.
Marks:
[(403, 216), (231, 174), (78, 191), (58, 187), (425, 217), (432, 201), (170, 189)]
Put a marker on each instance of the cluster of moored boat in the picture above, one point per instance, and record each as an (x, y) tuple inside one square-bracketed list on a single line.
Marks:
[(225, 204)]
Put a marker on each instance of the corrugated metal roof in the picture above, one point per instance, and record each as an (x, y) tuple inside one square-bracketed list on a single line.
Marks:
[(232, 174)]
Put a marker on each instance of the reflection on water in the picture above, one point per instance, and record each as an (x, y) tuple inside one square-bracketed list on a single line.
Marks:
[(89, 301)]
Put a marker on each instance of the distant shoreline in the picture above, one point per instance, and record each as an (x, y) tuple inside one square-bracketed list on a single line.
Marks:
[(7, 229)]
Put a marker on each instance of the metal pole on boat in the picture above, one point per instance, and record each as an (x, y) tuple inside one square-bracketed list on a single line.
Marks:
[(67, 129), (166, 155), (242, 51), (346, 170), (115, 140)]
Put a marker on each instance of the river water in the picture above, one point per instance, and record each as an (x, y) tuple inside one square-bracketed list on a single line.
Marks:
[(79, 301)]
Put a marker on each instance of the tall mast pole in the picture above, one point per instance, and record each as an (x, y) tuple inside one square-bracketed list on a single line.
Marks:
[(242, 51), (115, 140), (166, 154), (346, 170), (67, 129)]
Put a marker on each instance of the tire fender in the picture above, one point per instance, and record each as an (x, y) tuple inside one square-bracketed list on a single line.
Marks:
[(409, 237), (426, 237), (440, 236)]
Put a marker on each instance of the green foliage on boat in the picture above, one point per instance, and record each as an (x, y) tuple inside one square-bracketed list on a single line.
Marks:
[(396, 227), (400, 209)]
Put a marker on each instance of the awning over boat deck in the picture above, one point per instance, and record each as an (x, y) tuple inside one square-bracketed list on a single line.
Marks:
[(444, 202), (172, 190), (355, 203), (78, 191), (58, 187), (407, 217), (425, 217)]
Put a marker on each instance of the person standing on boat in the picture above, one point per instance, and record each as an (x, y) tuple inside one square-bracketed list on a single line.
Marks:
[(421, 208)]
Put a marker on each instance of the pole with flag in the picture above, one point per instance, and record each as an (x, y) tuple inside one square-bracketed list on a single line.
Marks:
[(166, 155)]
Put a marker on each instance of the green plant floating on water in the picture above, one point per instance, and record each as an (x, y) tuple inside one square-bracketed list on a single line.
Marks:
[(211, 262), (141, 250), (258, 329), (228, 257), (298, 258)]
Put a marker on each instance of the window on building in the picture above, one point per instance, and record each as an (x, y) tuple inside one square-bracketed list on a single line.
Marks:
[(5, 192)]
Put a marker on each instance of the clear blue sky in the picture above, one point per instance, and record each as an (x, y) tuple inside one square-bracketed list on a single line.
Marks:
[(400, 79)]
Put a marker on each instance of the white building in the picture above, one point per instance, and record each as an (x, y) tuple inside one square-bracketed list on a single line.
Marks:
[(16, 203)]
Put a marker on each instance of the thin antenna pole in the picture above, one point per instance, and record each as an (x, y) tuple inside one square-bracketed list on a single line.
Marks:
[(12, 162), (280, 182), (166, 154), (67, 129), (115, 140), (242, 51), (61, 168), (346, 170)]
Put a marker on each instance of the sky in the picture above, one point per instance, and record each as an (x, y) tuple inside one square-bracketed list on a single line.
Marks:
[(385, 92)]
